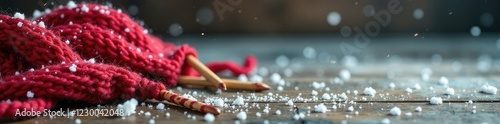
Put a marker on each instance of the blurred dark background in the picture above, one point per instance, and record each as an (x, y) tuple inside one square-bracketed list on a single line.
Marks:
[(290, 16)]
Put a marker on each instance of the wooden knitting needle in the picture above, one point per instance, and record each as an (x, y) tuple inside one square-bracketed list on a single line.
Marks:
[(189, 103), (207, 73), (231, 84)]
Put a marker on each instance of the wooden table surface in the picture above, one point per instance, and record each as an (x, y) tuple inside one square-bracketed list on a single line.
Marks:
[(455, 109), (466, 82)]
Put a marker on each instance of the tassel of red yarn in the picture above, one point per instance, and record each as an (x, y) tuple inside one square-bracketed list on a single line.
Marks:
[(89, 53)]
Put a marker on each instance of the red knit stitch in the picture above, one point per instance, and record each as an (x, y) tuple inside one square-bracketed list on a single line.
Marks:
[(105, 34), (111, 21)]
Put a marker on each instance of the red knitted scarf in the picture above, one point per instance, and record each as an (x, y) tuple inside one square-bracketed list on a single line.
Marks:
[(89, 53)]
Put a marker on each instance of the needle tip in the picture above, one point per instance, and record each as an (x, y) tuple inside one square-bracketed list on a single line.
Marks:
[(222, 86), (212, 109), (262, 87)]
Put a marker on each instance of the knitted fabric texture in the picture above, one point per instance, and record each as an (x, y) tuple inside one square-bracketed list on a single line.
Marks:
[(89, 53)]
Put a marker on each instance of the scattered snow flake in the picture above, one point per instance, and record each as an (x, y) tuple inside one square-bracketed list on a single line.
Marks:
[(243, 77), (78, 121), (418, 109), (350, 109), (147, 114), (71, 5), (426, 73), (278, 112), (72, 68), (343, 96), (219, 102), (314, 93), (282, 61), (266, 110), (239, 101), (443, 80), (128, 107), (475, 31), (47, 10), (151, 121), (160, 106), (85, 8), (20, 24), (349, 61), (241, 115), (436, 100), (326, 96), (263, 71), (370, 91), (345, 74), (385, 121), (275, 77), (417, 86), (488, 89), (41, 24), (209, 117), (395, 111), (450, 91), (256, 78), (30, 94), (18, 15), (298, 116), (37, 13), (409, 90), (91, 60), (281, 82), (280, 88), (392, 85), (317, 85), (320, 108), (289, 103)]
